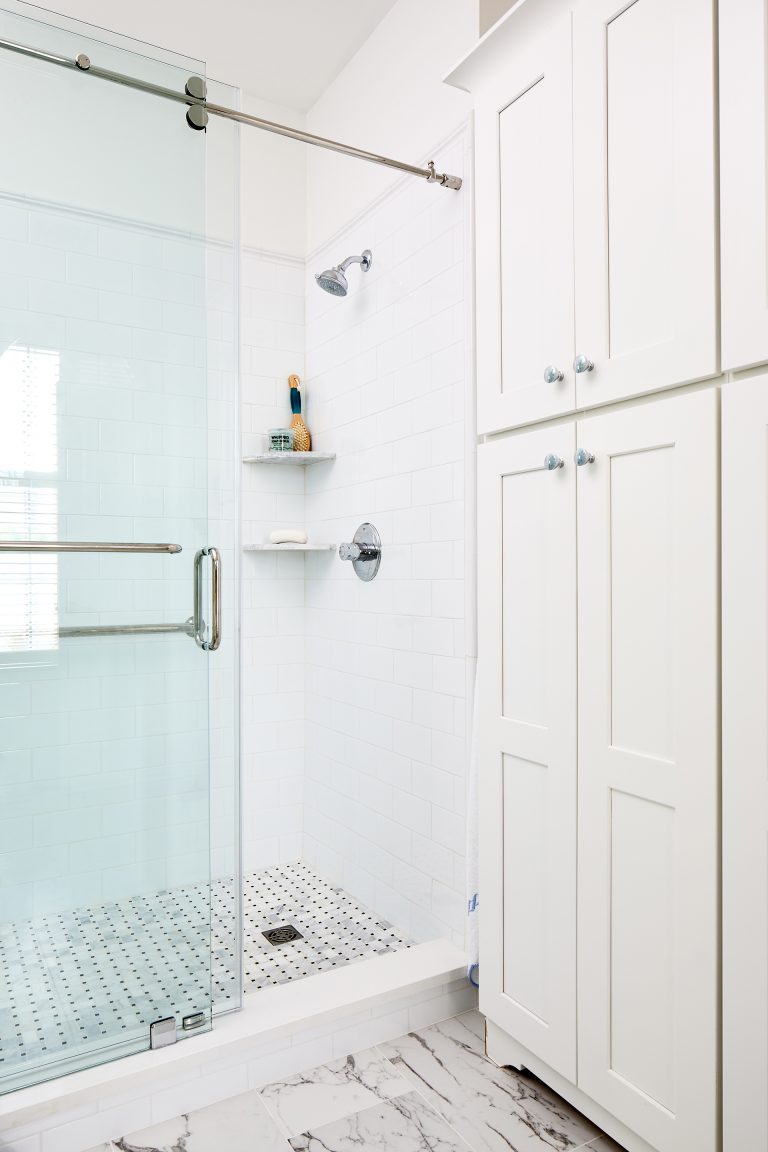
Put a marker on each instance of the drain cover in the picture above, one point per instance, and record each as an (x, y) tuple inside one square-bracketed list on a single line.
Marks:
[(286, 934)]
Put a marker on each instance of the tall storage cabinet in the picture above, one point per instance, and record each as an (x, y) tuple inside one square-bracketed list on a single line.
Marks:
[(598, 582)]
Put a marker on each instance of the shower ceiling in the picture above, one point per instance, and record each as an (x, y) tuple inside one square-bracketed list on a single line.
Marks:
[(286, 52)]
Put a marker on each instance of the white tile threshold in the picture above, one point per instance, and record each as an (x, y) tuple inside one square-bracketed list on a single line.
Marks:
[(270, 1014)]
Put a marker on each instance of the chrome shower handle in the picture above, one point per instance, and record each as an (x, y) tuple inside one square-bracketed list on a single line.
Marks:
[(357, 552), (198, 623), (364, 550)]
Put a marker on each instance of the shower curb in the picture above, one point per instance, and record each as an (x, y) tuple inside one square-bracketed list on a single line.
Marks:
[(279, 1031)]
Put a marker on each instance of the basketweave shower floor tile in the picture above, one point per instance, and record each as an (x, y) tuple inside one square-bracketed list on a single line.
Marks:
[(335, 929), (78, 979)]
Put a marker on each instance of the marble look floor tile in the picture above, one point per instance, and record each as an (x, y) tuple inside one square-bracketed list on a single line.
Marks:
[(241, 1124), (404, 1124), (313, 1099), (494, 1109)]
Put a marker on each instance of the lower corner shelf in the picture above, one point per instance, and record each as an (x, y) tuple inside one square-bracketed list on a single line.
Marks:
[(289, 547)]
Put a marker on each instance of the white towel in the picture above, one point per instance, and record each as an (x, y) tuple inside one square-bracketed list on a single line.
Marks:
[(288, 536)]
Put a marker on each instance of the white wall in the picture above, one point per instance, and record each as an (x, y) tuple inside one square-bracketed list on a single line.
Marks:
[(386, 740), (273, 585), (389, 99), (273, 182)]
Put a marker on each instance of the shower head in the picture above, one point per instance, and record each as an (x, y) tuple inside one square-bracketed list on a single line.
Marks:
[(334, 281)]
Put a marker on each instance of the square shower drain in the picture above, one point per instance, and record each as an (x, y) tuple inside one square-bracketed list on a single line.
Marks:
[(286, 934)]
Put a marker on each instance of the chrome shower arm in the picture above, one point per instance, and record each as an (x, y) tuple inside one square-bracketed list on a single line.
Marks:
[(365, 259)]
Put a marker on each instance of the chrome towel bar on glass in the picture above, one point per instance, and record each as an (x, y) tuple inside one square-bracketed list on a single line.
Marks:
[(83, 546), (186, 629)]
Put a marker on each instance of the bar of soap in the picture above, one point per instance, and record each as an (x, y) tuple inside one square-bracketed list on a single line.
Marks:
[(288, 536)]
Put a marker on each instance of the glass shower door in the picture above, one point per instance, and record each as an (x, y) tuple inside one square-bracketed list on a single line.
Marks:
[(108, 606)]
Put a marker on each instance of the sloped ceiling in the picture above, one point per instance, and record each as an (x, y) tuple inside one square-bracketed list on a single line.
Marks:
[(284, 51)]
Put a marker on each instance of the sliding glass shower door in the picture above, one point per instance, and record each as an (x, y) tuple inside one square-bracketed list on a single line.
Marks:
[(109, 588)]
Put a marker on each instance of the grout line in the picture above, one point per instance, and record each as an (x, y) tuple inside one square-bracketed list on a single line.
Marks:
[(272, 1113)]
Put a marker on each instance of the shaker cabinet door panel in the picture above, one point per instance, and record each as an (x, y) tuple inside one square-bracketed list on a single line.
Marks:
[(525, 236), (527, 694), (644, 188), (745, 764), (648, 768)]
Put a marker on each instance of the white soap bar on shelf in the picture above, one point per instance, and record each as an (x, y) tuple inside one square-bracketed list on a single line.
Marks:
[(288, 536)]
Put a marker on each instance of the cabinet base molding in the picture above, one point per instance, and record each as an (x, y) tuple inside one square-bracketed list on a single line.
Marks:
[(506, 1052)]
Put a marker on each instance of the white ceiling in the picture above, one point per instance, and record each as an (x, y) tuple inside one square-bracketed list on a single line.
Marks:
[(285, 51)]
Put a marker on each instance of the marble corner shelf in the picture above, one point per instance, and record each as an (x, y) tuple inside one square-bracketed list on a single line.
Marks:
[(301, 458), (289, 547)]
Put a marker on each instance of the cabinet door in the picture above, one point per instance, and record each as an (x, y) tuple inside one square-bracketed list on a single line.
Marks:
[(745, 764), (743, 192), (644, 184), (648, 768), (527, 694), (525, 234)]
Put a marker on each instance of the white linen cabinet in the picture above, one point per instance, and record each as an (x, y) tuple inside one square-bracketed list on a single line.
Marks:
[(606, 987), (596, 249)]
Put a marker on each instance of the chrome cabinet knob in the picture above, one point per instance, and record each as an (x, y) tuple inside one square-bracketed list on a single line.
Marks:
[(552, 462), (552, 375), (582, 364), (583, 457)]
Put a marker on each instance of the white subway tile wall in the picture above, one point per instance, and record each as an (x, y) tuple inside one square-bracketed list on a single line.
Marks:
[(104, 762), (386, 731), (273, 585), (354, 751)]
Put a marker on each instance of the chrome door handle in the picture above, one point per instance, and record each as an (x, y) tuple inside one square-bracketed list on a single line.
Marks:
[(215, 556), (198, 623)]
